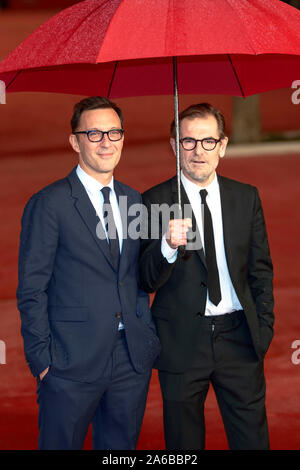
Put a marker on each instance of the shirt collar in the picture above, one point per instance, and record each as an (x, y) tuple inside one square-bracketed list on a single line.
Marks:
[(90, 183), (194, 188)]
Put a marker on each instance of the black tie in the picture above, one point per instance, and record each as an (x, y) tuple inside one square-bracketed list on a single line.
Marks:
[(214, 290), (111, 228)]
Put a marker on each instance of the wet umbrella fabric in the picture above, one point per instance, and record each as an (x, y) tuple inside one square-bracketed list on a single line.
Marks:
[(121, 48)]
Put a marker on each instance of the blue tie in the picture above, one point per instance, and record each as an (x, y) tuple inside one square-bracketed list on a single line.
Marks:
[(111, 229)]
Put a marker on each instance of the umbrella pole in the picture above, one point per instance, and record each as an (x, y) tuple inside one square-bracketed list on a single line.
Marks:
[(181, 249), (176, 120)]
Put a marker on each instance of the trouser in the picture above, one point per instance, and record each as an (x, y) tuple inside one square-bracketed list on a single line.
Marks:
[(224, 357), (115, 405)]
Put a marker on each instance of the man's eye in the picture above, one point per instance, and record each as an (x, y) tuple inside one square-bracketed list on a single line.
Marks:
[(95, 134)]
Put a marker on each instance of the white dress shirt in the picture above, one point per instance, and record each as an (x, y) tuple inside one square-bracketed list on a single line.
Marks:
[(93, 189), (229, 301)]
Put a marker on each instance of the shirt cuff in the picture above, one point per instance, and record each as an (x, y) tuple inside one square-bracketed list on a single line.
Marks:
[(169, 253)]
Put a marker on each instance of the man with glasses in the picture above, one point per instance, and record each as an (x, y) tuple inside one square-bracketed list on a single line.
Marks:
[(87, 327), (213, 306)]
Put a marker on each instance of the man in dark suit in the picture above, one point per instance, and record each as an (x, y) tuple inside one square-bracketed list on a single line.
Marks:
[(213, 306), (87, 328)]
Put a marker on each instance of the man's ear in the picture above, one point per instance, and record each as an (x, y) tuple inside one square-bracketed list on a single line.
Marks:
[(74, 143), (173, 144), (223, 146)]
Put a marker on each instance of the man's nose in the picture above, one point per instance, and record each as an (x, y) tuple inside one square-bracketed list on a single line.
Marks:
[(105, 142), (198, 149)]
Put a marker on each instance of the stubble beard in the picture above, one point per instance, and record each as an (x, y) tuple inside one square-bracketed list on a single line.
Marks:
[(197, 177)]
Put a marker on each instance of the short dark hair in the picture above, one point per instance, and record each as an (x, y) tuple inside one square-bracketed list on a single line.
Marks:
[(201, 110), (88, 104)]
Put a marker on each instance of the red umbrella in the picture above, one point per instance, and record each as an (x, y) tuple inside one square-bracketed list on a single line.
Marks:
[(236, 47), (121, 48)]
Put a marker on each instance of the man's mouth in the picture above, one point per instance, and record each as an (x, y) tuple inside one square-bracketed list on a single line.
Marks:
[(105, 155)]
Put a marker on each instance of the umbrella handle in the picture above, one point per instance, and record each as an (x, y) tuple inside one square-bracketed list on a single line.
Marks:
[(181, 249)]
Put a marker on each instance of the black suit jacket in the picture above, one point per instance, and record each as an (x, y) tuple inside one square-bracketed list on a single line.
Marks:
[(69, 294), (181, 287)]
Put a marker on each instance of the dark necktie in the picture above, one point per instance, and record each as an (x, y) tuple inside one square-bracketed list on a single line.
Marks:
[(214, 290), (111, 229)]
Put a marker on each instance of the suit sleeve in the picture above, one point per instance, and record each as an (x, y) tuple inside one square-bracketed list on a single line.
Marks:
[(260, 274), (38, 244), (154, 268)]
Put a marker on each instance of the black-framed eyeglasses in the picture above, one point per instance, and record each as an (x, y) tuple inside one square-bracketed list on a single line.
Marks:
[(96, 136), (209, 143)]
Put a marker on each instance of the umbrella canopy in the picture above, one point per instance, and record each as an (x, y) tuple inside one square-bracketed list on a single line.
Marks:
[(121, 48)]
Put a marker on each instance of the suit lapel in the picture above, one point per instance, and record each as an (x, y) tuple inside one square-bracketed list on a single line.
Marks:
[(88, 214), (228, 205), (185, 202)]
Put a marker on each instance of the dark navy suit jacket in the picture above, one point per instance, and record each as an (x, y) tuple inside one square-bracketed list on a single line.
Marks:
[(69, 294)]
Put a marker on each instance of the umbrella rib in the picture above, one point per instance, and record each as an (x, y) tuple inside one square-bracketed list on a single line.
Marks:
[(13, 79), (112, 78), (236, 76)]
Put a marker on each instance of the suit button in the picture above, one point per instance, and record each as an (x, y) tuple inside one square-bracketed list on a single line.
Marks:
[(119, 315), (203, 284), (120, 283)]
